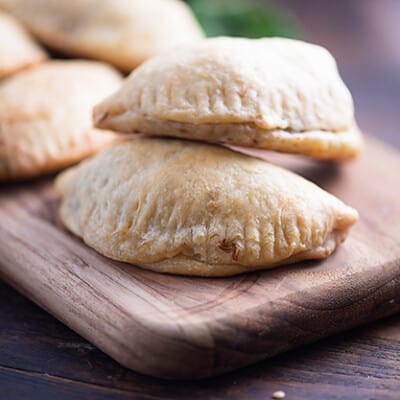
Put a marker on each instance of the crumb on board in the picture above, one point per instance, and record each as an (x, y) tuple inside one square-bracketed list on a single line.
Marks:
[(279, 394)]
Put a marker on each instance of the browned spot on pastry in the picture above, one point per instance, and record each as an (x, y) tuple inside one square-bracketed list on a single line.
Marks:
[(102, 117), (229, 246), (258, 120), (243, 91)]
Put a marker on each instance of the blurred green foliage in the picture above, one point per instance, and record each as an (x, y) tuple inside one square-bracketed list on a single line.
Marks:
[(244, 18)]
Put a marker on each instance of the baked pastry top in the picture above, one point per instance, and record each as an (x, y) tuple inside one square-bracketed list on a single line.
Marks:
[(272, 93), (121, 32), (198, 209), (45, 116), (17, 50)]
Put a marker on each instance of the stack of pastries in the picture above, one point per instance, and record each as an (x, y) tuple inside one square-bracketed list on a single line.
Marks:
[(174, 199)]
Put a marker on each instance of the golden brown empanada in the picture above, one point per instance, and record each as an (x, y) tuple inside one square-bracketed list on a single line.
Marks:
[(121, 32), (17, 50), (277, 94), (197, 209), (45, 116)]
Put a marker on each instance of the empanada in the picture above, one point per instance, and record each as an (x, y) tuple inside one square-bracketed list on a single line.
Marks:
[(121, 32), (17, 50), (198, 209), (45, 116), (277, 94)]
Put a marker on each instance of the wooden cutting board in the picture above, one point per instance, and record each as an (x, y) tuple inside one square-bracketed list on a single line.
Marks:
[(177, 327)]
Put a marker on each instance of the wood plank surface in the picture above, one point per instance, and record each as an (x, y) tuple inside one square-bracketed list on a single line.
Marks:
[(357, 365), (156, 323), (36, 351)]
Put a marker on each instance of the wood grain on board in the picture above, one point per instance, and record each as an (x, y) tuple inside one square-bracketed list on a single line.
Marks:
[(179, 327), (41, 359)]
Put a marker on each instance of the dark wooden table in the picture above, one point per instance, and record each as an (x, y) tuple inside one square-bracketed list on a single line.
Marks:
[(42, 359)]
